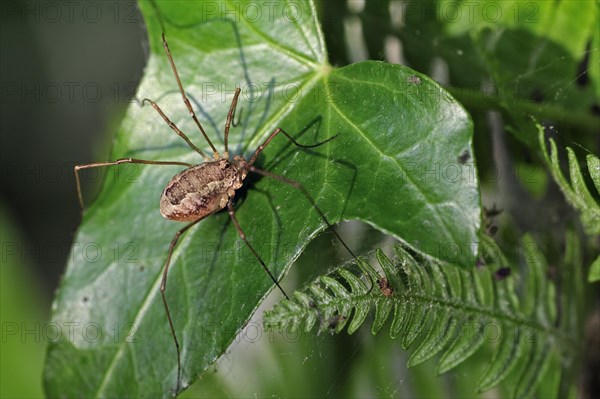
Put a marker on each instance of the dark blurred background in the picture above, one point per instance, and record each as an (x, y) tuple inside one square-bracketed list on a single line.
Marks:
[(68, 70)]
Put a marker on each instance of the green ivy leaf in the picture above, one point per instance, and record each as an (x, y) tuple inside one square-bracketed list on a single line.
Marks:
[(402, 162)]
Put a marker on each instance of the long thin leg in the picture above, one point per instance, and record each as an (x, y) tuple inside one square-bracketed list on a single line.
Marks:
[(243, 237), (174, 127), (163, 288), (275, 133), (77, 168), (230, 117), (294, 183), (303, 190), (185, 99), (235, 123)]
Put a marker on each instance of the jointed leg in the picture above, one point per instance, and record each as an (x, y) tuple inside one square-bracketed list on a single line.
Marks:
[(275, 133), (229, 120), (174, 127), (235, 123), (303, 190), (185, 99), (77, 168), (294, 183), (243, 237), (163, 288)]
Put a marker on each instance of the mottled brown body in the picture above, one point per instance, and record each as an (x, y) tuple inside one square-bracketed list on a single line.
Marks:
[(203, 189)]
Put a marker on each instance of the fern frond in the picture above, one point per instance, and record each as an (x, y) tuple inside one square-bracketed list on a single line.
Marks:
[(576, 192), (442, 310)]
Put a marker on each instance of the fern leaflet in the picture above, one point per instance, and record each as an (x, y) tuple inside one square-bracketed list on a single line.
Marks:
[(576, 192), (444, 310)]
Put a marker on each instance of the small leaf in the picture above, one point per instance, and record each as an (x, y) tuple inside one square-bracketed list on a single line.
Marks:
[(470, 338), (336, 288), (386, 264), (401, 312), (368, 271), (410, 275), (383, 307), (439, 281), (436, 340), (593, 164), (533, 372), (388, 269), (361, 311), (534, 302), (303, 299), (419, 318), (319, 293), (577, 181), (576, 192), (504, 360), (356, 285)]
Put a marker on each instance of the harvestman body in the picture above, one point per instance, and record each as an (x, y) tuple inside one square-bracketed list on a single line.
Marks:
[(201, 190)]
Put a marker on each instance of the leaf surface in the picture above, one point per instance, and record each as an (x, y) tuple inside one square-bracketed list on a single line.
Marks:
[(398, 164)]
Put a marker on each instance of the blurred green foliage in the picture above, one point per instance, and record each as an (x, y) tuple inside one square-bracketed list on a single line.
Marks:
[(24, 328)]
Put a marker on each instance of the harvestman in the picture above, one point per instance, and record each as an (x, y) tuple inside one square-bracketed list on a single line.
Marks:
[(201, 190)]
